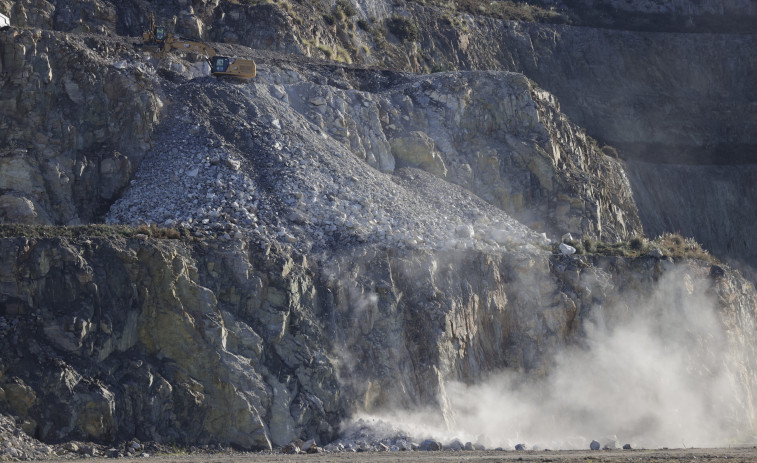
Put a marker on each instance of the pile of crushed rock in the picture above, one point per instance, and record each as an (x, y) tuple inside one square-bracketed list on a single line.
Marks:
[(17, 445), (266, 173), (371, 435)]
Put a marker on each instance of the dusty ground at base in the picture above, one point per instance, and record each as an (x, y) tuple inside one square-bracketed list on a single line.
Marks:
[(730, 455)]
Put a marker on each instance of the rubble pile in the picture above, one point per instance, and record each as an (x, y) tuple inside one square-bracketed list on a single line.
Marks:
[(277, 179)]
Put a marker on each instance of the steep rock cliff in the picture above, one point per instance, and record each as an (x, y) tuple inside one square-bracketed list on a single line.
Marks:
[(722, 199), (119, 340), (76, 125), (112, 338)]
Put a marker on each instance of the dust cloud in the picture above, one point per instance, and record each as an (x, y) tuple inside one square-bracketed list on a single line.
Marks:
[(654, 371)]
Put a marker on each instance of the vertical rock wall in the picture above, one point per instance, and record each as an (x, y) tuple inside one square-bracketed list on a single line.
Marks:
[(713, 203), (76, 120), (108, 339)]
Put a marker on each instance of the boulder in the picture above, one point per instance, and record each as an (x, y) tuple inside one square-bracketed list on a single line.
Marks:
[(291, 448), (314, 449), (430, 445), (464, 231), (454, 445), (566, 249), (594, 445)]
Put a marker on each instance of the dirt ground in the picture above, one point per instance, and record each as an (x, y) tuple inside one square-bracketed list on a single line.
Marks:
[(730, 455)]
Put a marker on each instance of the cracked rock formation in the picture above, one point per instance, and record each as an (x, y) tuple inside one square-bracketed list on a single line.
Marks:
[(341, 239)]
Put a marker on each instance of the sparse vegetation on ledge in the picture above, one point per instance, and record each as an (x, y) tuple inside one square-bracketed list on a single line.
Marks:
[(670, 244), (92, 231)]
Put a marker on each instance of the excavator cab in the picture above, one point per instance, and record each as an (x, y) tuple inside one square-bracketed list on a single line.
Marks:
[(236, 67), (219, 64), (160, 34)]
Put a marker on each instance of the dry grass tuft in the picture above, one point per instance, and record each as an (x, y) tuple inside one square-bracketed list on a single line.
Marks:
[(670, 244)]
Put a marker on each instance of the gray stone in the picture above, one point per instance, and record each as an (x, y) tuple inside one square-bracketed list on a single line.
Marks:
[(308, 444), (291, 449), (594, 445), (71, 446), (430, 445), (464, 231), (454, 445), (567, 250)]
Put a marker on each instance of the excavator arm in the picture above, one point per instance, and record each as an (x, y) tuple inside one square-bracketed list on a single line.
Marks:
[(219, 65), (175, 43)]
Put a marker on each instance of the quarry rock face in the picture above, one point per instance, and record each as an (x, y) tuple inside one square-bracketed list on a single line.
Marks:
[(722, 191), (353, 241), (700, 111), (169, 362), (168, 341), (75, 126), (526, 162)]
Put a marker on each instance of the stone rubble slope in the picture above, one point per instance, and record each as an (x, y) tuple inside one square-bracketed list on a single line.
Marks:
[(280, 156), (17, 445), (262, 171)]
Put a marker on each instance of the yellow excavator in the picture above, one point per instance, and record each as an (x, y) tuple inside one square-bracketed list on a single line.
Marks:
[(163, 42)]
